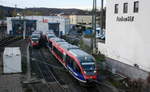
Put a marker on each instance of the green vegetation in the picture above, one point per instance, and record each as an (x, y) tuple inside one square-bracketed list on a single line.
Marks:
[(85, 47), (98, 57)]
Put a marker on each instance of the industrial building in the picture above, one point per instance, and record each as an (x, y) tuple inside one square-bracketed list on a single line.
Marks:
[(127, 39), (58, 24), (80, 19)]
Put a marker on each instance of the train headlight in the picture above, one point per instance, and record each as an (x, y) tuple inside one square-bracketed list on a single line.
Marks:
[(94, 71)]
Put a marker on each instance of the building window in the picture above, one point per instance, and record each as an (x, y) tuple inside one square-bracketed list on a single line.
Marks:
[(125, 8), (136, 7), (116, 8)]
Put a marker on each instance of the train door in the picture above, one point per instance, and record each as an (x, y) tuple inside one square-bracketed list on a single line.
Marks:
[(54, 27)]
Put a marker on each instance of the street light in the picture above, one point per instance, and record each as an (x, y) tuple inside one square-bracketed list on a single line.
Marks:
[(102, 4), (93, 44)]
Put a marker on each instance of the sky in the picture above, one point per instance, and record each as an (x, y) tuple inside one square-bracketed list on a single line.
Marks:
[(80, 4)]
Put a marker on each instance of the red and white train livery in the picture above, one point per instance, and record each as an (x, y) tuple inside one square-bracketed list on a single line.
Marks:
[(79, 63)]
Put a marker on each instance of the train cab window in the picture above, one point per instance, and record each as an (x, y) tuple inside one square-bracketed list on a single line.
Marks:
[(125, 8), (116, 8), (136, 7)]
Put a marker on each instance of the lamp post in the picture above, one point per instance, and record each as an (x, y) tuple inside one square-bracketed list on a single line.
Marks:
[(102, 4), (93, 43), (24, 28)]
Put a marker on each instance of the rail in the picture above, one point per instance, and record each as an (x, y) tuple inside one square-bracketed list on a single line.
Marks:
[(47, 74), (7, 41)]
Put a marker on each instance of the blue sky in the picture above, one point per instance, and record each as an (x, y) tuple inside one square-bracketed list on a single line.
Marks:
[(81, 4)]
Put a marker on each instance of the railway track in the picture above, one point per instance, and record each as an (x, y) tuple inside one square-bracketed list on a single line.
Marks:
[(96, 86), (7, 41), (72, 85), (45, 72)]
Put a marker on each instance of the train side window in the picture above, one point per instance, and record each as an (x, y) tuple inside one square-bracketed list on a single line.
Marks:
[(69, 61), (58, 52)]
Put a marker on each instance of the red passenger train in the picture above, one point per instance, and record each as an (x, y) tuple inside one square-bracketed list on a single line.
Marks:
[(35, 38), (80, 64)]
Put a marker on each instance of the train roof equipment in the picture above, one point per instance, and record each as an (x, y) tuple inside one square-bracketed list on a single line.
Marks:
[(50, 36), (35, 35), (69, 46), (82, 55), (56, 39)]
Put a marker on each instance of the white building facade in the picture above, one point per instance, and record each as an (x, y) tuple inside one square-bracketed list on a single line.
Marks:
[(42, 23), (127, 39)]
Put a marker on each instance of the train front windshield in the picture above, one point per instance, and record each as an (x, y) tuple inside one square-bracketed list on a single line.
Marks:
[(35, 36), (35, 39), (88, 66), (51, 36)]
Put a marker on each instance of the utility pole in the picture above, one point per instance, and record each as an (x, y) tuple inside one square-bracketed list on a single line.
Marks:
[(24, 26), (93, 43), (102, 12), (15, 11), (92, 26)]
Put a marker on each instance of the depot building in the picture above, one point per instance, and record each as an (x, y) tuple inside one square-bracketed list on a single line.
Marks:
[(60, 25)]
